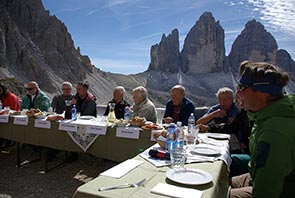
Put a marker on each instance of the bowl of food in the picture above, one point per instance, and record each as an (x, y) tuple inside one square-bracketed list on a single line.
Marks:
[(137, 121), (32, 112), (40, 115), (121, 122)]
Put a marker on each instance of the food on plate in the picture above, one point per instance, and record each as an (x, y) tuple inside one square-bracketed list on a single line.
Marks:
[(121, 122), (4, 112), (16, 113), (32, 112), (151, 126), (137, 121), (54, 118), (161, 138), (39, 114)]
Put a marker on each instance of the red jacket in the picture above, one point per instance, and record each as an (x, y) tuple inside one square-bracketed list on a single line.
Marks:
[(10, 100)]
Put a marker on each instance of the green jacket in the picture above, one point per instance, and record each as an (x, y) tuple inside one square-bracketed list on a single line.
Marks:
[(41, 102), (272, 148)]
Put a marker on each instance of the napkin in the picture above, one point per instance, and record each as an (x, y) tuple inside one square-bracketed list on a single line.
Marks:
[(175, 191), (122, 168)]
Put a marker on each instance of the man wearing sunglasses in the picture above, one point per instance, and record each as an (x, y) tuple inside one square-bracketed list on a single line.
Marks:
[(272, 139), (35, 98)]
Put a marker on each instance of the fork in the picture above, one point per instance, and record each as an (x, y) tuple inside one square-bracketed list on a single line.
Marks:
[(127, 185)]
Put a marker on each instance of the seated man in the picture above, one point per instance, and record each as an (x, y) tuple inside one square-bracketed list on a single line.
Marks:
[(10, 100), (84, 100), (142, 106), (222, 113), (35, 98), (121, 103), (58, 102), (272, 146), (179, 108)]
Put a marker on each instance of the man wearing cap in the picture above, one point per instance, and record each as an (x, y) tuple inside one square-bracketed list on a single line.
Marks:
[(272, 140), (35, 98)]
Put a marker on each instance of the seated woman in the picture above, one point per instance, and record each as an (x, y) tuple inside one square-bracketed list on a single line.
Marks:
[(142, 106)]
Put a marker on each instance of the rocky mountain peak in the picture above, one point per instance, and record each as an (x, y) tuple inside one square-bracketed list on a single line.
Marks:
[(203, 49), (32, 43), (254, 44), (165, 55)]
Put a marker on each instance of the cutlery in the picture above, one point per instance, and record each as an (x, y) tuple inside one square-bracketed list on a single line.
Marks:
[(127, 185)]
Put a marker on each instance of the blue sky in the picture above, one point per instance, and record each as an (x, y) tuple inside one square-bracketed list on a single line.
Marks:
[(117, 34)]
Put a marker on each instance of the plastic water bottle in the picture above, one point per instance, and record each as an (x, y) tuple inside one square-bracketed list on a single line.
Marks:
[(171, 138), (0, 105), (74, 112), (180, 136), (126, 113), (191, 123)]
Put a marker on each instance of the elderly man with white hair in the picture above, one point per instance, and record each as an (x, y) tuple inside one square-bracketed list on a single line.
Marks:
[(58, 102), (120, 102), (179, 107), (224, 112), (142, 106)]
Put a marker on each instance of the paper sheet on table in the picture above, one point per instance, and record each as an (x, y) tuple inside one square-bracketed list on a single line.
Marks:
[(175, 191), (122, 168), (159, 162)]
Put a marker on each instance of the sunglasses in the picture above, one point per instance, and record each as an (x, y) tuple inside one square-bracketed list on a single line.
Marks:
[(242, 88), (66, 89), (29, 89)]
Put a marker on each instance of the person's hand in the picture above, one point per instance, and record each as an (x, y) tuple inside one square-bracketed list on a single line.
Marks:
[(168, 120), (203, 128), (219, 113), (74, 101)]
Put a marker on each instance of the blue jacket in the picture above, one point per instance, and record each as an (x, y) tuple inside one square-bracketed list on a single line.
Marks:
[(186, 109)]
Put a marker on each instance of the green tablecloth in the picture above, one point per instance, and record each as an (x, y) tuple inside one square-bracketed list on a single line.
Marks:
[(105, 146), (217, 188)]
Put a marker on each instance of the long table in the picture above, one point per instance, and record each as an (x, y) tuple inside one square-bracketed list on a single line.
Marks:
[(105, 146), (217, 188)]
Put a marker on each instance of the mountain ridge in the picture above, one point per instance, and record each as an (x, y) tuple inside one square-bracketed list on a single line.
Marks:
[(37, 46)]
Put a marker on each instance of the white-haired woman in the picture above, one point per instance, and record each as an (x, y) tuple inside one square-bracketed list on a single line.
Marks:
[(142, 106)]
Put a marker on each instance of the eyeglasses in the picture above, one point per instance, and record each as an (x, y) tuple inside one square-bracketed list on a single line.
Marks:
[(29, 89), (66, 89), (242, 88)]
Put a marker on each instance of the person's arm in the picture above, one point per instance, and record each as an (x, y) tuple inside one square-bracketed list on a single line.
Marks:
[(167, 118), (54, 103), (189, 108), (25, 103), (272, 163), (219, 113), (44, 103), (107, 110)]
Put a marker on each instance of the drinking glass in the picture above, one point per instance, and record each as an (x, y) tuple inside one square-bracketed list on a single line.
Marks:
[(177, 157)]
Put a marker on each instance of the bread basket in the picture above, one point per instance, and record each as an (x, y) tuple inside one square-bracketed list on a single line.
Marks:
[(162, 143), (137, 121)]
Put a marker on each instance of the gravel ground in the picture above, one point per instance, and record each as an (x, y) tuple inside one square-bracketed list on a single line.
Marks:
[(30, 180)]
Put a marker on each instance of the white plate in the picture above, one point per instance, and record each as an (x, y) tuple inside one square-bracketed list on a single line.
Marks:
[(208, 151), (219, 136), (86, 117), (189, 176)]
